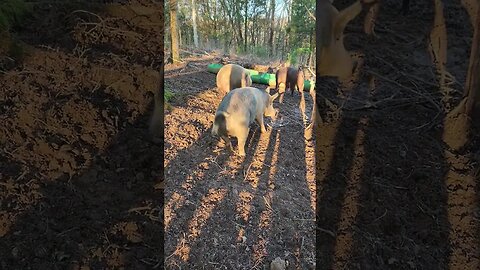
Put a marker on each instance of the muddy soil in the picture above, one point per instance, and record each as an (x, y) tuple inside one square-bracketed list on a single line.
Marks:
[(391, 194), (81, 185), (223, 211)]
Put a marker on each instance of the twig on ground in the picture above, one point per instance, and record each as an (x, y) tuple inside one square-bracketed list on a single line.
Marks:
[(380, 28), (304, 219), (378, 218), (430, 99), (326, 231), (193, 53), (138, 209), (246, 173), (390, 186)]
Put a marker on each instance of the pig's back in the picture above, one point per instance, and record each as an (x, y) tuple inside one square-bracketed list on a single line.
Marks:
[(281, 76), (236, 77), (240, 103), (229, 77), (292, 74)]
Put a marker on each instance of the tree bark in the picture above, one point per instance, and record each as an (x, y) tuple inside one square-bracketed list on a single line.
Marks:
[(239, 24), (252, 30), (215, 22), (194, 23), (246, 28), (232, 20), (175, 54), (272, 20)]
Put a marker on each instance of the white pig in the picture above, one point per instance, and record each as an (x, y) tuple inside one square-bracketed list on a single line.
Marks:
[(238, 110)]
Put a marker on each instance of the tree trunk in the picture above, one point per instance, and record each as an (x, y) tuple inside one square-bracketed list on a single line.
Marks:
[(175, 54), (180, 40), (272, 20), (246, 18), (215, 22), (194, 23), (239, 25), (312, 46), (472, 89), (232, 20), (252, 30)]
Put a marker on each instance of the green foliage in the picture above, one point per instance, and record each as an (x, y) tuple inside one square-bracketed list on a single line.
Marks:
[(260, 51), (302, 25), (291, 58), (168, 95), (294, 55), (11, 11)]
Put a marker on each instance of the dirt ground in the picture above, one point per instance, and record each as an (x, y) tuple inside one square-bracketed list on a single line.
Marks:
[(391, 194), (81, 185), (229, 212)]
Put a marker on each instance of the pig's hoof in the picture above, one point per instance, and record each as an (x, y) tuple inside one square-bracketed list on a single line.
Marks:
[(242, 154)]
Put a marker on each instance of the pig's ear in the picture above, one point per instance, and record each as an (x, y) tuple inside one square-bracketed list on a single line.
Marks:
[(267, 89), (272, 98)]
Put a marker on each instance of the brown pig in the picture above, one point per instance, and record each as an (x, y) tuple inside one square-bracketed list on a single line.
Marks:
[(290, 77), (281, 81), (232, 76), (238, 110), (296, 78)]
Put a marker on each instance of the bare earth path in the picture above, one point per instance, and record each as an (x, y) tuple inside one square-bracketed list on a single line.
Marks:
[(228, 212)]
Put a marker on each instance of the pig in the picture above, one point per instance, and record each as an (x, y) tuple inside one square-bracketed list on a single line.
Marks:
[(238, 110), (232, 76), (295, 77), (289, 78)]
